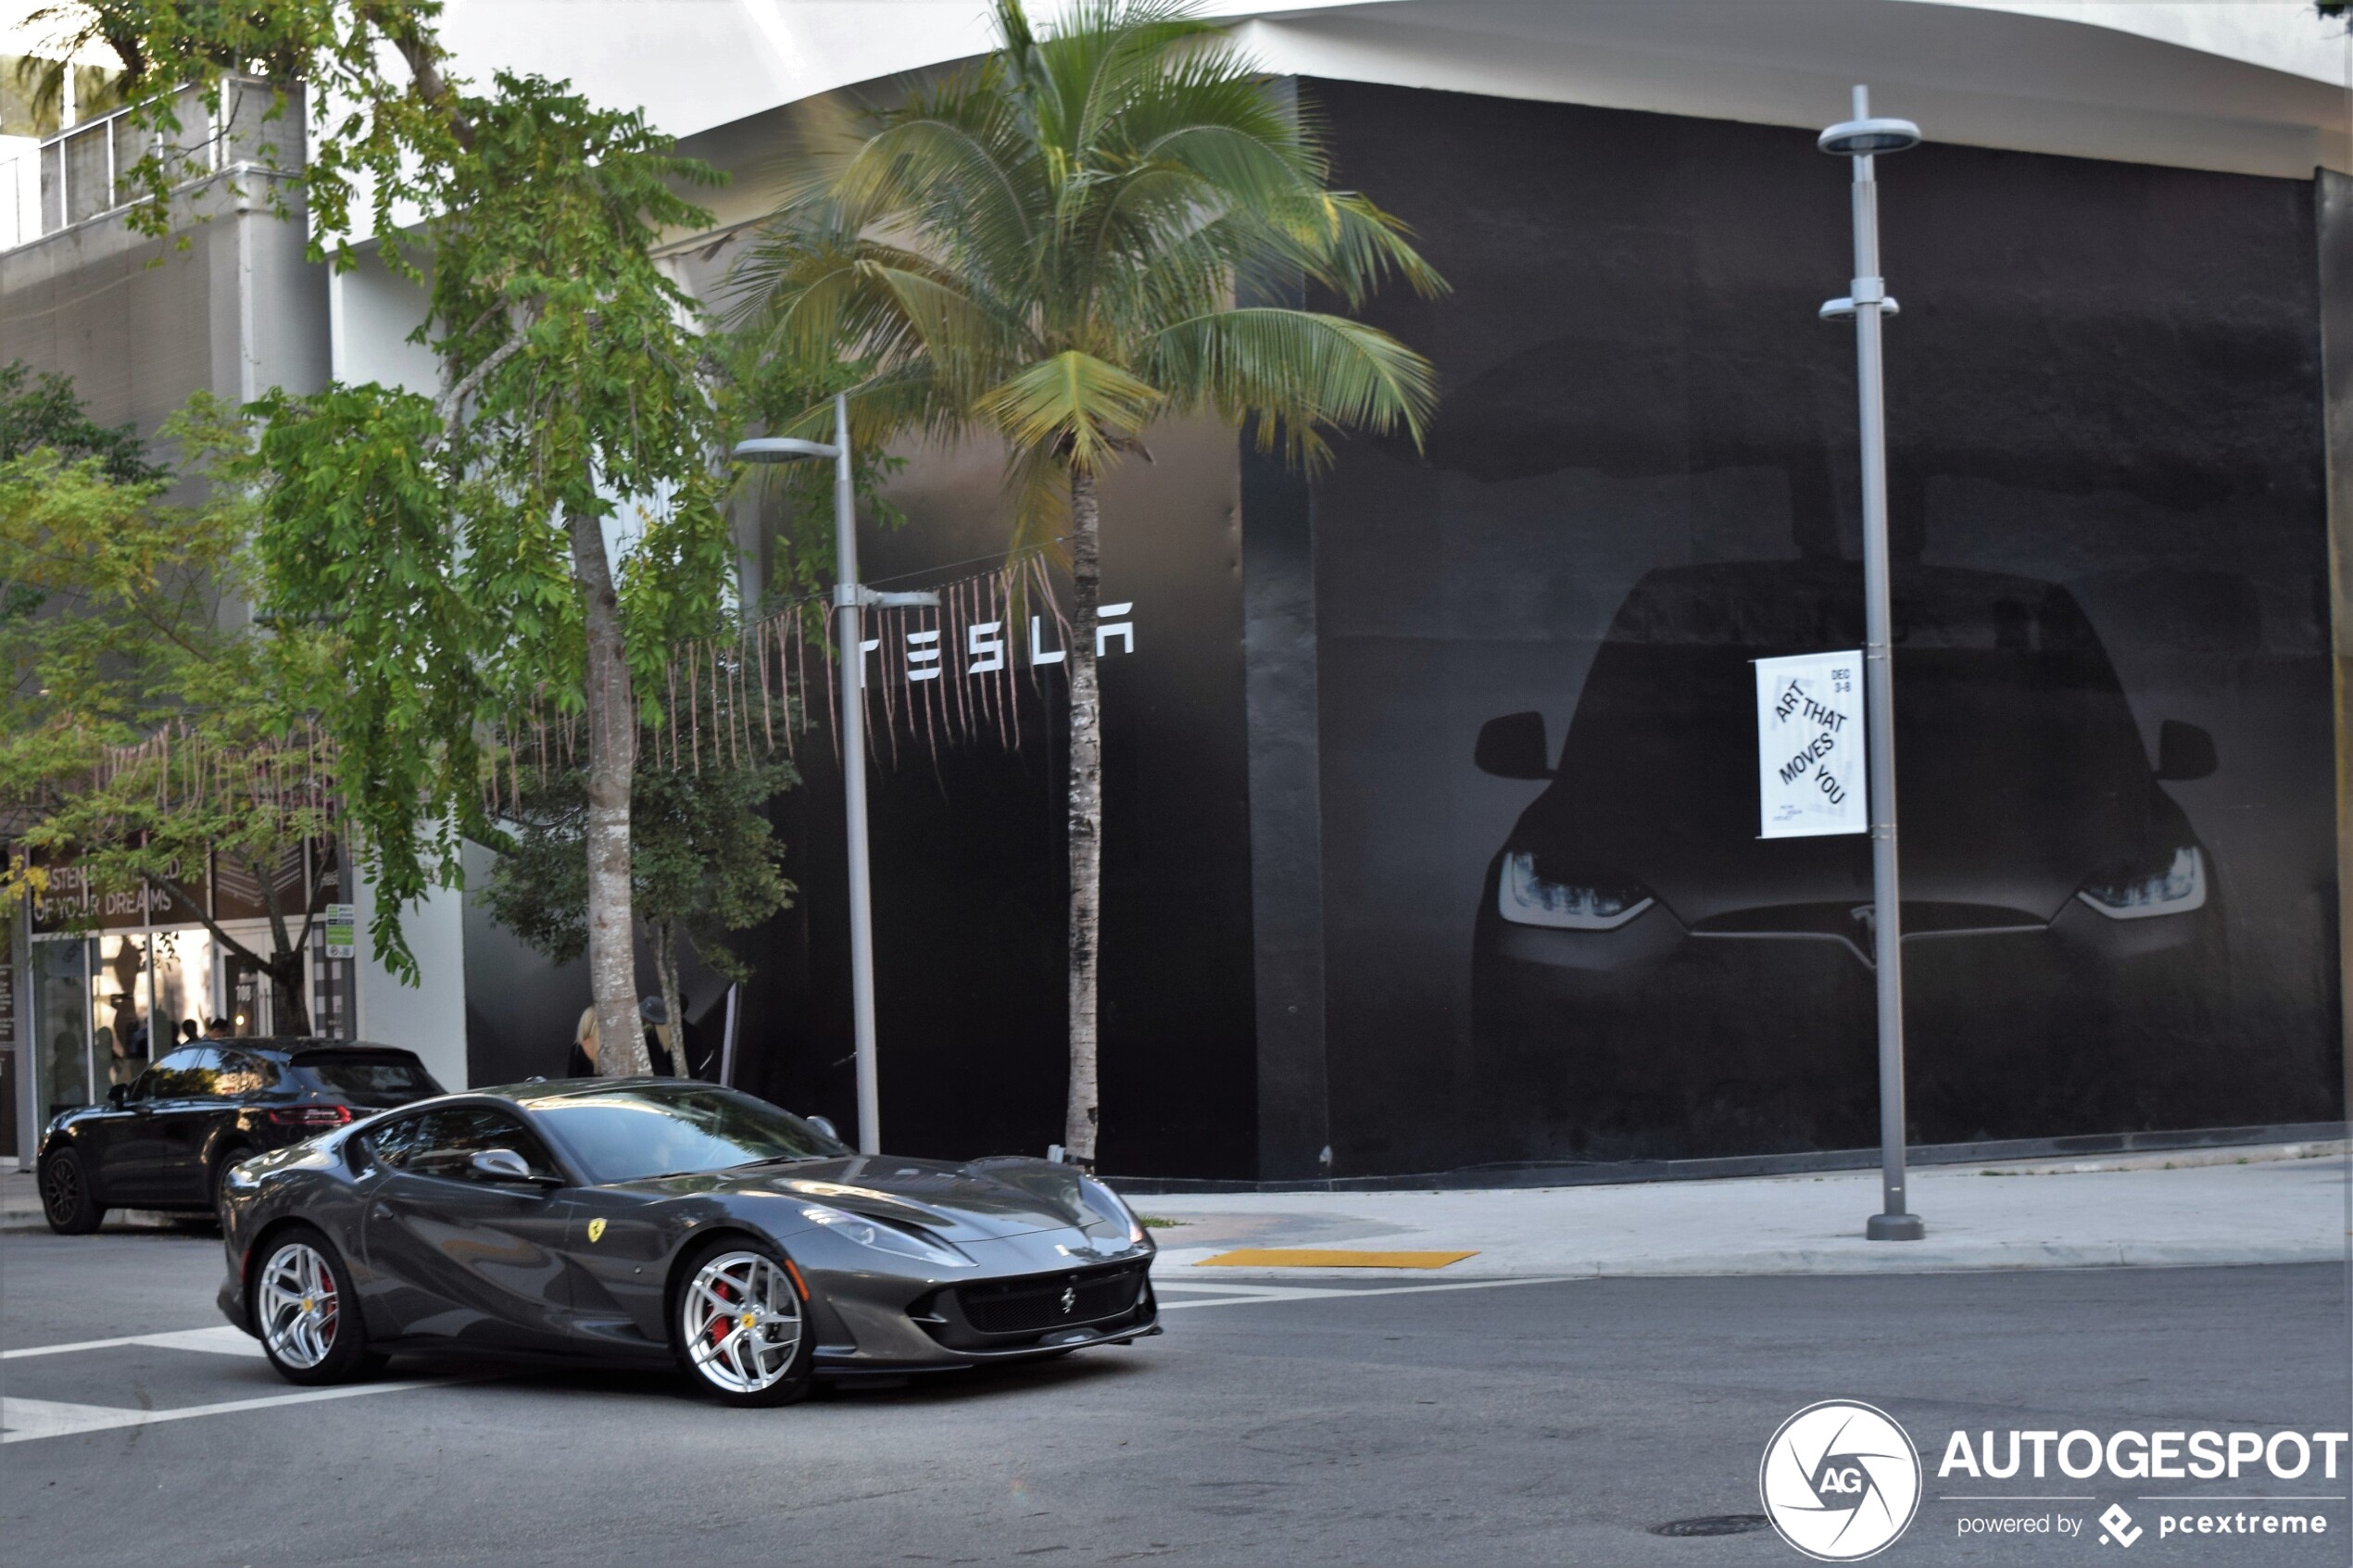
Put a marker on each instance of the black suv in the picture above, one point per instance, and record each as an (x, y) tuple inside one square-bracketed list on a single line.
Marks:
[(168, 1140)]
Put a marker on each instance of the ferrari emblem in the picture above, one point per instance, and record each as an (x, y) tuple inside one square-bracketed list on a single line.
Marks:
[(1070, 1300), (596, 1230)]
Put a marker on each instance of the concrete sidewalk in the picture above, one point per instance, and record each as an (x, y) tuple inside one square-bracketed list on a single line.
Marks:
[(2285, 1203), (2277, 1204)]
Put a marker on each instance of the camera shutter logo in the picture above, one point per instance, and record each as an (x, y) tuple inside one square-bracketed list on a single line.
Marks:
[(1841, 1481)]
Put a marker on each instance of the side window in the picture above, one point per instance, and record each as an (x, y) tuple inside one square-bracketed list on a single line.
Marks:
[(184, 1074), (243, 1074), (397, 1143), (443, 1143)]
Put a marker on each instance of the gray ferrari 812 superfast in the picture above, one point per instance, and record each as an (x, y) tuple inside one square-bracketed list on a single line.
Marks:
[(667, 1221)]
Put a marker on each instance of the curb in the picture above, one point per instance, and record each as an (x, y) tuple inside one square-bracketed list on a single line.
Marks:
[(2223, 1144), (1986, 1258)]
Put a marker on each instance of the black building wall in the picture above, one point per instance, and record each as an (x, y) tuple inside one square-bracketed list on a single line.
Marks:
[(2103, 399), (970, 868), (2105, 416)]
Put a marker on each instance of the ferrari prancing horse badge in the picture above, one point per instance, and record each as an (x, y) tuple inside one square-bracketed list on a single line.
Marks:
[(596, 1230)]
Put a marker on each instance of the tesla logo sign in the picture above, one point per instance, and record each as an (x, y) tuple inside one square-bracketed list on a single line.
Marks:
[(1809, 746)]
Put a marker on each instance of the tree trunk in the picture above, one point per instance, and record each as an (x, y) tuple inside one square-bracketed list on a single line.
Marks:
[(612, 746), (672, 1033), (1085, 820), (289, 1013)]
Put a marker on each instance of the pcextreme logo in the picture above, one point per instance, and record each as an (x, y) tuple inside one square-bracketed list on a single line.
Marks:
[(1841, 1481)]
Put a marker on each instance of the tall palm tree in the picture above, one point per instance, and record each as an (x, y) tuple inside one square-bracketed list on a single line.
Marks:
[(1052, 249)]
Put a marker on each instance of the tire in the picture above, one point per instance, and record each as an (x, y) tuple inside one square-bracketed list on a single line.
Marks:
[(68, 1200), (306, 1313), (737, 1363), (217, 1184)]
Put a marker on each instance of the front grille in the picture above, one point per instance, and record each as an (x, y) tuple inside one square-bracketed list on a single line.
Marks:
[(1035, 1305)]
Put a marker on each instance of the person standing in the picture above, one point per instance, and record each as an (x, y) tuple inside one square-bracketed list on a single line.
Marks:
[(581, 1061)]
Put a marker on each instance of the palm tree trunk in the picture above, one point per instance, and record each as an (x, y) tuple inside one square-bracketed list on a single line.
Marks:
[(1085, 820), (612, 744)]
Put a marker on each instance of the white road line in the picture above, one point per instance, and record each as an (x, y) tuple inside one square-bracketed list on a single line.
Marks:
[(223, 1340), (24, 1420), (1306, 1292)]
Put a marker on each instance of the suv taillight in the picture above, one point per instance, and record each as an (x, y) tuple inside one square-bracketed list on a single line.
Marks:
[(315, 1117)]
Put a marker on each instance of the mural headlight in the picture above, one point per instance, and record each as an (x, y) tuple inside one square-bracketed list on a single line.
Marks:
[(1526, 897), (2176, 890)]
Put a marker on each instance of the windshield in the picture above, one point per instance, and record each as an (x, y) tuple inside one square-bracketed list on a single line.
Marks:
[(623, 1135)]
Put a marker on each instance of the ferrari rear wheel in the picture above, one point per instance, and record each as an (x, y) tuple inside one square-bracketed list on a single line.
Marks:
[(742, 1329), (309, 1318)]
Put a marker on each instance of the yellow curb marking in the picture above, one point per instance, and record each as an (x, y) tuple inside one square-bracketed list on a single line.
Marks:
[(1316, 1258)]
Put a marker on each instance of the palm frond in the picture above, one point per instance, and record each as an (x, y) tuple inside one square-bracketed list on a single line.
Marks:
[(1083, 409), (1296, 373)]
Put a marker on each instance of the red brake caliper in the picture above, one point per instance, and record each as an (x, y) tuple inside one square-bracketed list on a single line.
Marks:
[(719, 1326)]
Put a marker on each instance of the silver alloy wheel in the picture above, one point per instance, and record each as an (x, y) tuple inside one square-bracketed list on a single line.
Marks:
[(742, 1321), (300, 1307)]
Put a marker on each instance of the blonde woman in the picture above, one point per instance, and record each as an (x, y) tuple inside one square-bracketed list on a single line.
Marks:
[(582, 1062)]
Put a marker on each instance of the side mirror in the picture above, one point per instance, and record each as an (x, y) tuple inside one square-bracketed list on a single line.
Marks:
[(503, 1165), (1513, 747), (823, 1124), (2183, 752), (118, 1095)]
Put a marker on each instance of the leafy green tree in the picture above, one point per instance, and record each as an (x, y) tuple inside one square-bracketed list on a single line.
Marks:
[(706, 863), (42, 410), (1050, 249), (148, 726), (456, 542)]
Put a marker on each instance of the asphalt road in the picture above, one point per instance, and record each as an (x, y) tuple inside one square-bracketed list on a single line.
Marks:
[(1507, 1423)]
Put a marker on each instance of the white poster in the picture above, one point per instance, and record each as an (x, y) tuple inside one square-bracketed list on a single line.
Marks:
[(1809, 746)]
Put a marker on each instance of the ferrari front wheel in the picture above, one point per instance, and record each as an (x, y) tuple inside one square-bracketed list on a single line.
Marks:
[(741, 1329)]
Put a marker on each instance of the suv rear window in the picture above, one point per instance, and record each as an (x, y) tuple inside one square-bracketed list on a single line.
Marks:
[(386, 1078)]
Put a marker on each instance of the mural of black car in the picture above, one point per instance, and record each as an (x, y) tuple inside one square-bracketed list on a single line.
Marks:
[(168, 1139), (1651, 977), (666, 1221)]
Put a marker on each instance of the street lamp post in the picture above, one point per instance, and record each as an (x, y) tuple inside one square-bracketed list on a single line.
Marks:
[(852, 598), (1860, 140)]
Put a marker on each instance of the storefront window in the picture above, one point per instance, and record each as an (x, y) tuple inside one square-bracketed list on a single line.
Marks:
[(186, 999), (61, 1023), (121, 1006)]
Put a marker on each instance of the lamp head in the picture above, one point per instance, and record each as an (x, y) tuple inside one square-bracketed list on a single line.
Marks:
[(1864, 138), (781, 449)]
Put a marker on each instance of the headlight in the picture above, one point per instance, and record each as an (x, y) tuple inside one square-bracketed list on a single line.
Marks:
[(2176, 890), (883, 1238), (1526, 898), (1104, 1201)]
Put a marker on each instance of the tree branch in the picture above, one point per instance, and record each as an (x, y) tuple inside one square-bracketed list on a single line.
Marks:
[(446, 410)]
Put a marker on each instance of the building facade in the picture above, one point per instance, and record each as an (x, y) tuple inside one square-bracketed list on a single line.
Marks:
[(1430, 785)]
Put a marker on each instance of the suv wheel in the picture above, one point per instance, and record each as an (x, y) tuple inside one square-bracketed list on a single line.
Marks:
[(67, 1201), (219, 1186)]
